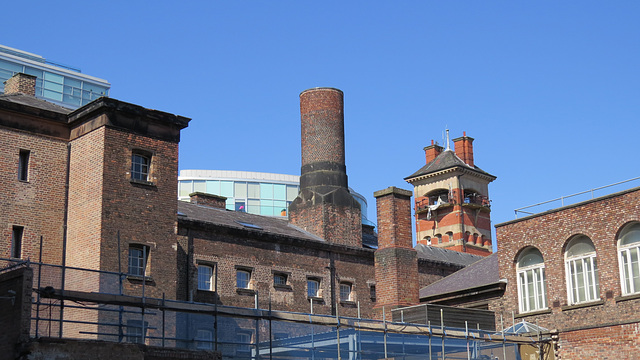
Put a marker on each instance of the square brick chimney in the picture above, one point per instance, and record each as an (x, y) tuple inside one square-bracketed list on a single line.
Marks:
[(21, 83), (464, 148)]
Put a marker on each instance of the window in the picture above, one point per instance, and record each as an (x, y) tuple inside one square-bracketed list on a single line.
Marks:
[(16, 242), (582, 270), (279, 279), (135, 331), (204, 339), (242, 279), (531, 281), (205, 276), (313, 288), (140, 164), (243, 339), (628, 248), (372, 292), (23, 165), (138, 255), (345, 292)]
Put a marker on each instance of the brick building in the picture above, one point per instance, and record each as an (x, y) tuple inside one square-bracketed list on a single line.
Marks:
[(452, 203)]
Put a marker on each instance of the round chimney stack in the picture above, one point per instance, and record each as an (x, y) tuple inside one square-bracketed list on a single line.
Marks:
[(322, 115)]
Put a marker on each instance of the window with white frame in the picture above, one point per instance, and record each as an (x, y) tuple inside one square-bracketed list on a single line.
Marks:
[(204, 339), (628, 254), (279, 279), (243, 277), (243, 339), (138, 256), (313, 288), (531, 281), (205, 277), (582, 270), (140, 164), (345, 291)]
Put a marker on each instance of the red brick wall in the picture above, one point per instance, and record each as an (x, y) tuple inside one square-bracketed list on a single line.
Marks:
[(37, 205), (297, 258), (334, 223), (600, 220), (322, 116)]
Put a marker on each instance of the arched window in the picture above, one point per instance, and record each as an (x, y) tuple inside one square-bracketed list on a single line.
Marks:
[(582, 270), (531, 281), (628, 249)]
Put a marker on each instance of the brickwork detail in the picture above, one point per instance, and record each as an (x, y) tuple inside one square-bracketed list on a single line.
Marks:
[(585, 331), (322, 115), (21, 83)]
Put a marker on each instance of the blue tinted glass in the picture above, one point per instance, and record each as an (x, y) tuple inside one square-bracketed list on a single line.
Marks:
[(266, 191), (226, 188), (266, 210), (213, 187), (279, 192)]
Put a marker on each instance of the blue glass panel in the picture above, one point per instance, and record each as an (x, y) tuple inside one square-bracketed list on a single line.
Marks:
[(266, 210), (54, 95), (35, 72), (213, 187), (266, 191), (226, 188), (14, 68), (72, 82), (230, 205), (53, 78), (279, 192)]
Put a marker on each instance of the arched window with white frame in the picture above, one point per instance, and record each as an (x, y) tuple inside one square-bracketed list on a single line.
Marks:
[(628, 254), (582, 270), (531, 281)]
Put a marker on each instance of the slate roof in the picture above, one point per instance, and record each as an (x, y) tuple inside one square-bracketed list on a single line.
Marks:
[(233, 219), (28, 100), (437, 254), (446, 160), (481, 272)]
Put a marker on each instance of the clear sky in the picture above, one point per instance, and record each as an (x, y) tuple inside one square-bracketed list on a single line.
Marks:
[(550, 90)]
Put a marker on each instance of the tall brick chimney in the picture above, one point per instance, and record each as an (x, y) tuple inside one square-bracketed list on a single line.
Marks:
[(324, 205), (21, 83), (396, 261), (432, 151), (464, 148)]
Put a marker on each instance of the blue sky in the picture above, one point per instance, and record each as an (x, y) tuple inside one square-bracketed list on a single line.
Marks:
[(550, 90)]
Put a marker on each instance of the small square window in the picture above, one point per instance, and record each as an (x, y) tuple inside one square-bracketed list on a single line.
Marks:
[(345, 292), (205, 277), (23, 165), (138, 256), (140, 164), (204, 339), (279, 279), (313, 288), (243, 341), (16, 242), (242, 279)]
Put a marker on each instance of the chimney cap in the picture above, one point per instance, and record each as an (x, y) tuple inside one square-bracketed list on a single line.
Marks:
[(321, 88), (392, 190)]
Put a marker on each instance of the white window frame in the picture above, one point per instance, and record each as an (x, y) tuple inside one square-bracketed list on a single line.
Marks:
[(589, 277), (242, 285), (537, 272), (345, 289), (140, 166), (205, 280), (310, 293), (135, 267), (628, 269)]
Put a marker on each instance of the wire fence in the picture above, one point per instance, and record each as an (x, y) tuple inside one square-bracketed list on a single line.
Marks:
[(84, 304)]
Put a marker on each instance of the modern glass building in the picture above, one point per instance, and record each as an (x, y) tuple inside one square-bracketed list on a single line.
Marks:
[(253, 192), (57, 83)]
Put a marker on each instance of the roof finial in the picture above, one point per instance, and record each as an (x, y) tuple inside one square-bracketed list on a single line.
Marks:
[(448, 148)]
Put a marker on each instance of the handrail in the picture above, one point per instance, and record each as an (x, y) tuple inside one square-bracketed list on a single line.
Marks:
[(569, 196)]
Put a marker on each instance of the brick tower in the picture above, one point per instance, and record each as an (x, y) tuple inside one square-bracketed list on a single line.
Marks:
[(452, 199), (324, 205), (396, 261)]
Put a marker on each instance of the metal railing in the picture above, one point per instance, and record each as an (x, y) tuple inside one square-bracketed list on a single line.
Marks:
[(563, 198)]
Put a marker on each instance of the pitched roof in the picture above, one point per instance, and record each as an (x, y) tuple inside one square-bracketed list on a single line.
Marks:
[(28, 100), (446, 160), (481, 272), (242, 220), (437, 254)]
